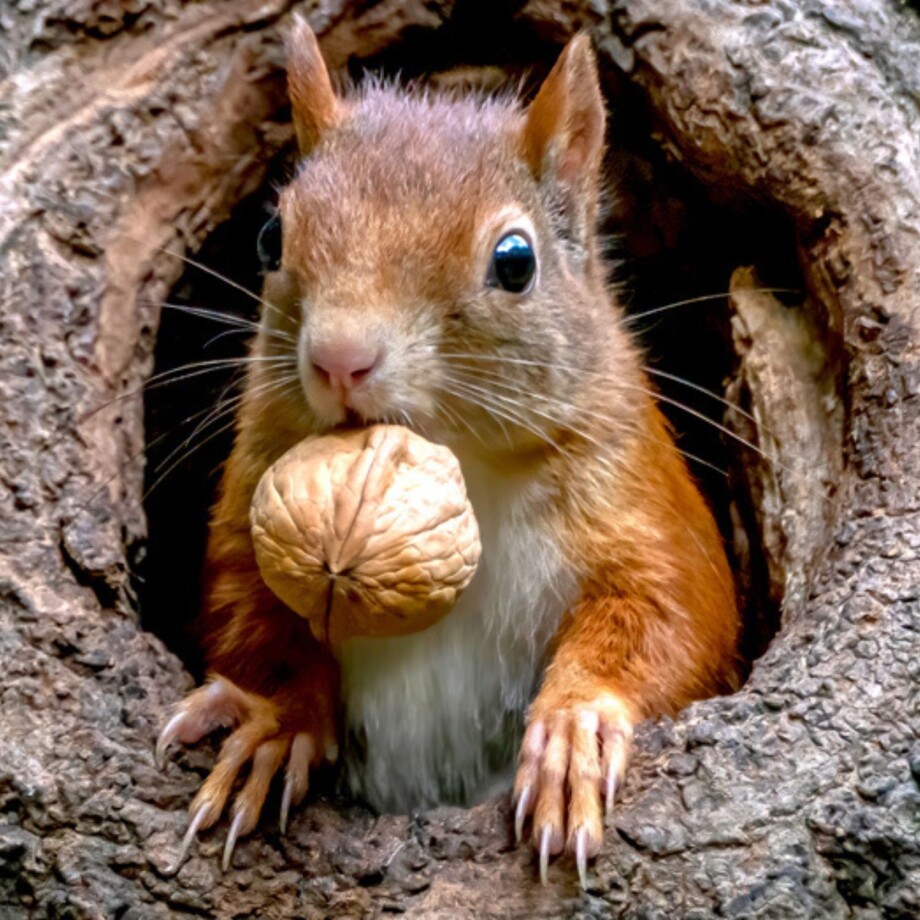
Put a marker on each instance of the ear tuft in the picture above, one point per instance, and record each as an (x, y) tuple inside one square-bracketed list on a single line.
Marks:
[(315, 108), (563, 135)]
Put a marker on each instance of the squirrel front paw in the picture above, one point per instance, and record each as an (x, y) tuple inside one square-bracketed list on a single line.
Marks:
[(571, 753), (264, 737)]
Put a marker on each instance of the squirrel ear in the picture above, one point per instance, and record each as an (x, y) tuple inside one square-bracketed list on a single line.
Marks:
[(315, 108), (563, 135)]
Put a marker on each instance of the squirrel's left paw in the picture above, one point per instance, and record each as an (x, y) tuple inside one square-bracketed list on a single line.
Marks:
[(570, 756)]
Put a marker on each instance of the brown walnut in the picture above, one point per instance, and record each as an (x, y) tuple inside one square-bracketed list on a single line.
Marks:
[(366, 532)]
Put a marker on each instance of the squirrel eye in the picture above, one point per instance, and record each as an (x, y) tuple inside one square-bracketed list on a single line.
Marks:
[(514, 263), (268, 244)]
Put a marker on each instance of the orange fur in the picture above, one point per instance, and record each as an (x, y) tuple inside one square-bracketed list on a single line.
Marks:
[(316, 109), (249, 635), (657, 621)]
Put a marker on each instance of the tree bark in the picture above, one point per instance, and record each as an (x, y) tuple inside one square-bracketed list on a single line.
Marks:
[(129, 132)]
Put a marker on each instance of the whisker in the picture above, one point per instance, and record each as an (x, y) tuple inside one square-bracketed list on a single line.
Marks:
[(701, 389), (704, 298), (127, 462), (203, 313), (82, 508), (634, 387), (606, 450), (486, 393), (221, 410), (189, 453), (519, 408), (194, 263), (229, 319), (214, 413), (186, 455), (457, 389), (186, 372), (724, 429), (458, 418), (580, 432), (223, 335), (188, 260), (216, 364)]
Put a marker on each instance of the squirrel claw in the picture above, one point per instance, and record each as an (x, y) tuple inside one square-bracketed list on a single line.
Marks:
[(521, 812), (581, 857), (232, 837), (545, 840), (610, 791), (285, 806), (616, 742), (166, 738), (218, 703), (263, 740), (198, 819), (256, 741), (297, 774)]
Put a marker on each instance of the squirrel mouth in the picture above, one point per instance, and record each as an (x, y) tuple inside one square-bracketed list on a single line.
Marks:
[(355, 419)]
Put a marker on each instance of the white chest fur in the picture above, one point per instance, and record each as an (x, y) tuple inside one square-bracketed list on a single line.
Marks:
[(437, 714)]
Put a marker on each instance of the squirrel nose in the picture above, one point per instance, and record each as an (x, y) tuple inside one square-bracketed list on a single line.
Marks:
[(344, 363)]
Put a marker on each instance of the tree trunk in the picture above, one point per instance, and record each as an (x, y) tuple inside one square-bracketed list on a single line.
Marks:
[(131, 131)]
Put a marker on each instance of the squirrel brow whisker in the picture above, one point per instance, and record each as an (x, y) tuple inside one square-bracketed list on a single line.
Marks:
[(194, 263)]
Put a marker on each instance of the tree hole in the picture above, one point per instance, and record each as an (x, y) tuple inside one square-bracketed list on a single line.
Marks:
[(675, 248)]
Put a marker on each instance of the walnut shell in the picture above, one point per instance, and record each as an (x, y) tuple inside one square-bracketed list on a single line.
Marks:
[(366, 532)]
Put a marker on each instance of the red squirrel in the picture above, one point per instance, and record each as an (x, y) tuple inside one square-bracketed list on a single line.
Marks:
[(439, 267)]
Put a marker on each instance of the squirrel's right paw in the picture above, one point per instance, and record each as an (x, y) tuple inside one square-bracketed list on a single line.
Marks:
[(572, 752), (258, 739)]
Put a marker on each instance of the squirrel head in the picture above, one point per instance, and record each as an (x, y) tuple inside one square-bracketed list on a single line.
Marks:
[(439, 255)]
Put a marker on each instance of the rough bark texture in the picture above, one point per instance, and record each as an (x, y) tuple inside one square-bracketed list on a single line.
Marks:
[(129, 130)]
